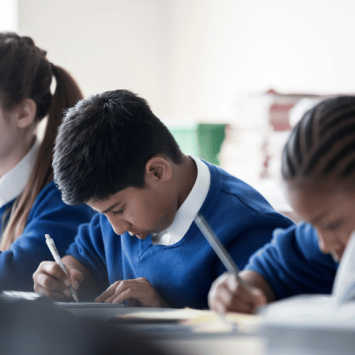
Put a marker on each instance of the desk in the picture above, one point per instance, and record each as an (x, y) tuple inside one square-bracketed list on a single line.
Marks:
[(176, 339), (217, 345)]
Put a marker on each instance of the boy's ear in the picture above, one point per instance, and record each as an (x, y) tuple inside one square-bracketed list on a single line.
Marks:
[(26, 113), (159, 169)]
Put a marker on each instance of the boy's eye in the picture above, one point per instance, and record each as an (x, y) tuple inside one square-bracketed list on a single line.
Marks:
[(119, 211), (331, 225)]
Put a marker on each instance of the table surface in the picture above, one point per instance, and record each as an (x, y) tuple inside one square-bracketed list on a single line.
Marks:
[(177, 339), (219, 345)]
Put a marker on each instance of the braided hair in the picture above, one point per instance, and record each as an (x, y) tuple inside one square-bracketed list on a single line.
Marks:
[(26, 73), (322, 144)]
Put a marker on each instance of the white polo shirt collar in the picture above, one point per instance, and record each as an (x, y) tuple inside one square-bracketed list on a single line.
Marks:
[(14, 181), (189, 209)]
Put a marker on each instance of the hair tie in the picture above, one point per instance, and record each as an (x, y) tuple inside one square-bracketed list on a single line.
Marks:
[(52, 67), (53, 87)]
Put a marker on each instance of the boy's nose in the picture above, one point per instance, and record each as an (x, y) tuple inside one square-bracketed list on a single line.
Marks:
[(119, 225), (328, 242)]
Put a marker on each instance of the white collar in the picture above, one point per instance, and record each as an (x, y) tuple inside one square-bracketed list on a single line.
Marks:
[(14, 181), (189, 209)]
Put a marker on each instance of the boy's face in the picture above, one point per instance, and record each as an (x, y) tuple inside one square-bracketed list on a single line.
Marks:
[(140, 212), (330, 211)]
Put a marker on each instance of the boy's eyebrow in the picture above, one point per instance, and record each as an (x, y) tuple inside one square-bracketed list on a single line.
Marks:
[(111, 207), (318, 218)]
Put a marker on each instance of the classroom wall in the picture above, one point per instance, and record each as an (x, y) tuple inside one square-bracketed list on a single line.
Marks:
[(195, 57), (106, 44), (222, 48), (8, 15)]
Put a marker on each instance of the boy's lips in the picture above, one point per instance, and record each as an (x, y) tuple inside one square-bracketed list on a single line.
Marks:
[(140, 235)]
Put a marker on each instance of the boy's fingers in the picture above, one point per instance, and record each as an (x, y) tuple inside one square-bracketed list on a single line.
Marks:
[(135, 296), (50, 280), (76, 278), (121, 287), (57, 296), (126, 284), (54, 270), (128, 295), (133, 291), (108, 293), (49, 283)]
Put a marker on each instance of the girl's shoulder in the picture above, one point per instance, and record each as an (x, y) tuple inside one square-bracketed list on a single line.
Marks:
[(50, 200)]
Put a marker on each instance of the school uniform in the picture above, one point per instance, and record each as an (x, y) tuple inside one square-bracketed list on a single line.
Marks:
[(179, 262), (49, 214), (293, 264)]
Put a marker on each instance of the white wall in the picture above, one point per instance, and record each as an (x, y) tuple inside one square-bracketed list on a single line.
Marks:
[(105, 44), (8, 15), (221, 48), (194, 57)]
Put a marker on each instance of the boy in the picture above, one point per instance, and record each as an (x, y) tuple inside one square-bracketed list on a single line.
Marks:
[(113, 154)]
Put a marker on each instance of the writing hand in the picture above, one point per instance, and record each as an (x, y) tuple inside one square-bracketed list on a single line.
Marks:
[(50, 280), (228, 295)]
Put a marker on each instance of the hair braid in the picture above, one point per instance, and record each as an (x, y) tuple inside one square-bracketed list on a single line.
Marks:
[(322, 144)]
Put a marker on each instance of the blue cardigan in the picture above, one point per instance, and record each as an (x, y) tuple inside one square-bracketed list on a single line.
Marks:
[(182, 273), (51, 215), (293, 264)]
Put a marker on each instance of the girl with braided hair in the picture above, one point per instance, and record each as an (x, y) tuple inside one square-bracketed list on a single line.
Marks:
[(30, 203), (318, 171)]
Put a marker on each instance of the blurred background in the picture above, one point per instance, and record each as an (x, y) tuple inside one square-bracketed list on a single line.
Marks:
[(229, 77)]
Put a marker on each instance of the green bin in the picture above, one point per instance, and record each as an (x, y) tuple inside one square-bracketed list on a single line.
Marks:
[(203, 140)]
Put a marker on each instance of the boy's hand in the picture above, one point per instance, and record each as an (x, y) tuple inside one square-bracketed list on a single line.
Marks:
[(228, 295), (136, 292), (50, 280)]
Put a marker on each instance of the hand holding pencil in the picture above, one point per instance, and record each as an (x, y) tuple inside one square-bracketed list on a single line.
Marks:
[(57, 258), (229, 292)]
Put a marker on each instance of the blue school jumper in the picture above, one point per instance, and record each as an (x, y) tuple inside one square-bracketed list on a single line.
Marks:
[(51, 215), (293, 264), (182, 273)]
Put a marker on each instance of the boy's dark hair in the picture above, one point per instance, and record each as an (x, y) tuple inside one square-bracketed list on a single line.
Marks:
[(322, 144), (104, 143)]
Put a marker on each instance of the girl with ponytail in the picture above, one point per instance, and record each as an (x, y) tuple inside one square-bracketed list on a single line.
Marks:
[(318, 172), (30, 203)]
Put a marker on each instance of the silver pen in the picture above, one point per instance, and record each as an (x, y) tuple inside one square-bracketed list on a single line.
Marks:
[(218, 247), (54, 251)]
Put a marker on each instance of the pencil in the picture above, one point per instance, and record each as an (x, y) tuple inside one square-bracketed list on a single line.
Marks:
[(218, 247), (54, 251)]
